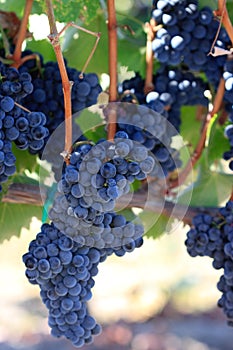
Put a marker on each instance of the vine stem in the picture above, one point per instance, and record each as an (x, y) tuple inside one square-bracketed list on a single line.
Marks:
[(112, 56), (149, 86), (19, 193), (66, 84), (22, 34), (223, 13), (202, 140)]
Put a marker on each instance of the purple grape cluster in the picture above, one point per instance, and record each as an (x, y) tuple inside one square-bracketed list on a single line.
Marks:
[(213, 236), (26, 129), (186, 36), (100, 174), (173, 88), (47, 95), (228, 77), (64, 270)]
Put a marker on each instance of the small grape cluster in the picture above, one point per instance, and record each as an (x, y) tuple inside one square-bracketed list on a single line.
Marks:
[(26, 129), (15, 84), (173, 88), (228, 77), (186, 35), (213, 236), (47, 95)]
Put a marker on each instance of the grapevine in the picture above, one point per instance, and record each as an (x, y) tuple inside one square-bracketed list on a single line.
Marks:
[(99, 159)]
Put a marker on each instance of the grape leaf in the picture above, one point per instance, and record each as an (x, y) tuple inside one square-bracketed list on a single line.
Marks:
[(71, 10), (77, 45), (14, 217), (155, 225), (25, 160), (211, 188), (218, 143), (43, 47), (190, 125), (76, 49), (14, 6)]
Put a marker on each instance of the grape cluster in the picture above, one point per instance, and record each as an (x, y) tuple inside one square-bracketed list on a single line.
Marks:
[(213, 236), (186, 35), (173, 88), (228, 77), (108, 230), (47, 95), (15, 84), (95, 178), (64, 270), (26, 129)]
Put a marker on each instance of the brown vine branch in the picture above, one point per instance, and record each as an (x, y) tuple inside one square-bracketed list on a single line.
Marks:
[(149, 86), (66, 84), (19, 193), (112, 57), (22, 34), (225, 19), (201, 143)]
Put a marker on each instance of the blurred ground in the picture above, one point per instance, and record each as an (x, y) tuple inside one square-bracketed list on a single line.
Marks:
[(157, 298)]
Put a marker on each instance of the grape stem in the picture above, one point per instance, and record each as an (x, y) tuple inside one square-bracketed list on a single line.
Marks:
[(149, 86), (66, 84), (225, 19), (201, 143), (22, 34), (112, 57)]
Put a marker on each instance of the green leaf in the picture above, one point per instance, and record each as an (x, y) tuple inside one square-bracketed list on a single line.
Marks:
[(190, 126), (71, 10), (132, 55), (210, 190), (91, 124), (77, 46), (25, 160), (14, 6), (218, 143), (14, 217), (155, 224), (131, 52), (43, 47), (210, 3)]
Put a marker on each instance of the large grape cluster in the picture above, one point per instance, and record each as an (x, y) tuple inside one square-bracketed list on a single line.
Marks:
[(26, 129), (186, 35), (98, 175), (108, 230), (64, 270), (213, 236)]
